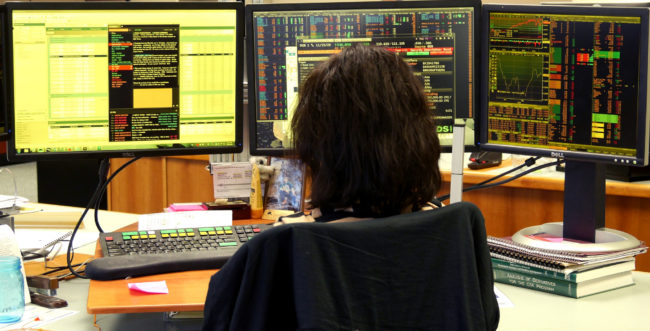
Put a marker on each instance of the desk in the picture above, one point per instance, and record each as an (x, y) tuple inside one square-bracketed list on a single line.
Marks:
[(64, 218), (622, 309)]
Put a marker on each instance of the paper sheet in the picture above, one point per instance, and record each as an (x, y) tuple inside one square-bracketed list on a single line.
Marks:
[(36, 316), (232, 180), (8, 201), (185, 219), (502, 299), (38, 238)]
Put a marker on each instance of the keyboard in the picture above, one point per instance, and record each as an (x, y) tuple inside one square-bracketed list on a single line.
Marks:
[(140, 253)]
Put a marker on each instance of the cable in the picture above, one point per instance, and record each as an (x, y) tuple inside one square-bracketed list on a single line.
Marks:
[(99, 192), (529, 162), (482, 185), (104, 166)]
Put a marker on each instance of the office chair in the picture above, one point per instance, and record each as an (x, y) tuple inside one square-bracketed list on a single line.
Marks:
[(427, 270)]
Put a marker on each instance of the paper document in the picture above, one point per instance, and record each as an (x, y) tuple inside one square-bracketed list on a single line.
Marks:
[(36, 316), (8, 201), (232, 180), (185, 219), (40, 238), (502, 299)]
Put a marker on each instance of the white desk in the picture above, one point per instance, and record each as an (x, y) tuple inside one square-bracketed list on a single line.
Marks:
[(623, 309), (63, 218)]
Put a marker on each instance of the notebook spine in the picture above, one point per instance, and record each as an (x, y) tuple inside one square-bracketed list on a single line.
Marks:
[(53, 242)]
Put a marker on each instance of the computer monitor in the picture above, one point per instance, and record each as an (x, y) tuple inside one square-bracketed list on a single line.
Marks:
[(286, 41), (617, 171), (121, 79), (570, 83)]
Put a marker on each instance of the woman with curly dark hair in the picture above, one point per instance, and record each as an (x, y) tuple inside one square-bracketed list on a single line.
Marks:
[(366, 133)]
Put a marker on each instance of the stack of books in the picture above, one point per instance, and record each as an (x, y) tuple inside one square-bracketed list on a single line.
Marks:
[(572, 274)]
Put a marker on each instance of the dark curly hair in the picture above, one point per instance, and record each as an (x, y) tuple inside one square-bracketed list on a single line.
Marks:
[(366, 133)]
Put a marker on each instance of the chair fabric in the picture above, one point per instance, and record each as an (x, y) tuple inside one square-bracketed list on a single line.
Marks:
[(427, 270)]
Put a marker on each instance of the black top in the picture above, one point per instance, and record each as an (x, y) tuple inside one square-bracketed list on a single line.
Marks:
[(423, 270)]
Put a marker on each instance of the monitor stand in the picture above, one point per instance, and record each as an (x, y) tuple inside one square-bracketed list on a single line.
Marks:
[(457, 161), (583, 229)]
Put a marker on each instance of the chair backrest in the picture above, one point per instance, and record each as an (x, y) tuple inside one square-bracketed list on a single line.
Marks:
[(424, 270)]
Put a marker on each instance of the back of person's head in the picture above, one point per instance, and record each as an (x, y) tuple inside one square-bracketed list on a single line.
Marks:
[(364, 129)]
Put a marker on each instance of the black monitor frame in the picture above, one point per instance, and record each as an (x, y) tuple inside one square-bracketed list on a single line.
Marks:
[(613, 3), (315, 7), (4, 136), (584, 185), (8, 75)]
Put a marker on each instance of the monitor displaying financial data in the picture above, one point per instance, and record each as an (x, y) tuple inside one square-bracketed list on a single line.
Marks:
[(566, 82), (570, 83), (124, 79), (285, 42)]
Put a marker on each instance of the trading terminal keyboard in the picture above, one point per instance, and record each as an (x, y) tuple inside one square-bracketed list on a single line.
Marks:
[(139, 253)]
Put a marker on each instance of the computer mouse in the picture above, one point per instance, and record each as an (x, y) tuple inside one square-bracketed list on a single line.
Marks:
[(480, 160)]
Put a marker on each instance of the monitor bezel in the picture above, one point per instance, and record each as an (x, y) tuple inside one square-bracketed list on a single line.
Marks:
[(171, 151), (250, 56), (643, 105), (4, 136), (620, 3)]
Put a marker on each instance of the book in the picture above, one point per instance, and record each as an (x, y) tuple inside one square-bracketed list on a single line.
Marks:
[(564, 287), (580, 275)]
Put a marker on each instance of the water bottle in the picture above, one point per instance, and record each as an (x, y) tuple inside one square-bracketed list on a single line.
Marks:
[(12, 299)]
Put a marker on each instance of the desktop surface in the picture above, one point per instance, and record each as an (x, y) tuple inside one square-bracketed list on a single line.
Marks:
[(187, 290), (621, 309)]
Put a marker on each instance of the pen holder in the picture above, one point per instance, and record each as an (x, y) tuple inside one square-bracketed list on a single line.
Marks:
[(12, 300)]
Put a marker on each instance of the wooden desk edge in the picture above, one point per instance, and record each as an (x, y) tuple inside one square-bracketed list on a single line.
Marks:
[(550, 183), (96, 306), (115, 307)]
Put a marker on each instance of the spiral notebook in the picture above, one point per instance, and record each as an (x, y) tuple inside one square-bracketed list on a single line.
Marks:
[(505, 248)]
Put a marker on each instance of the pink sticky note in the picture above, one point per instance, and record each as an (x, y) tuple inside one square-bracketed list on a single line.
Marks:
[(150, 287), (186, 207), (546, 237)]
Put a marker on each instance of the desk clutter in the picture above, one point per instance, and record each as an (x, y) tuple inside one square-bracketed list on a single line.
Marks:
[(139, 253), (570, 274)]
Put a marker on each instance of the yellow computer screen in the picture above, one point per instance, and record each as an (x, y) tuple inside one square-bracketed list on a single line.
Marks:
[(120, 80)]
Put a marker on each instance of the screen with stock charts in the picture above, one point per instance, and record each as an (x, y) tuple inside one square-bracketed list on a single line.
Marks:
[(124, 79), (566, 82), (285, 42)]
